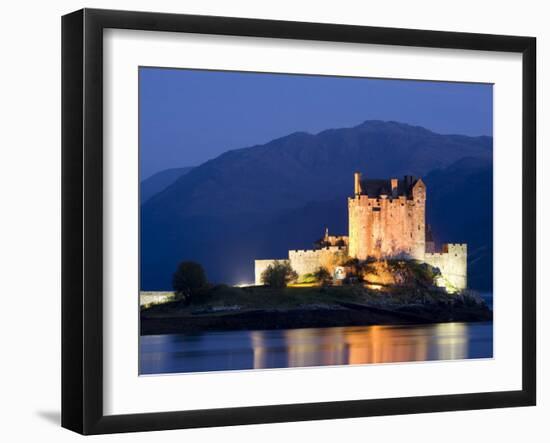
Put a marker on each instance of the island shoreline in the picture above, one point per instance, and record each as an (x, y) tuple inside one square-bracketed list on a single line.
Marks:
[(346, 315)]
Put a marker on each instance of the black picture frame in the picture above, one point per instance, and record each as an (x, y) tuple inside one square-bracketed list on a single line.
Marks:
[(82, 216)]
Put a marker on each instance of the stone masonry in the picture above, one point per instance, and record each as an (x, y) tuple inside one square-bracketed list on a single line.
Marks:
[(387, 220), (452, 262)]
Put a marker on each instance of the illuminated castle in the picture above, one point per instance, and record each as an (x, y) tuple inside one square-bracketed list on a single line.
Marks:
[(387, 219)]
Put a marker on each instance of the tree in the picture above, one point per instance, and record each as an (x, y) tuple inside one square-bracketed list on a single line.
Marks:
[(354, 266), (360, 268), (278, 274), (323, 276), (188, 279)]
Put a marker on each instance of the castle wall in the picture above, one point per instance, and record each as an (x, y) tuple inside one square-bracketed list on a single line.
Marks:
[(452, 262), (308, 261), (388, 227), (261, 265)]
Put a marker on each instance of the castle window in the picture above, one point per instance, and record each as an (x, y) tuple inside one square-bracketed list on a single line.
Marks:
[(376, 209)]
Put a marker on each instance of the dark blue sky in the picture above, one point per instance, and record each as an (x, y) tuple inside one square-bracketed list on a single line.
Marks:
[(190, 116)]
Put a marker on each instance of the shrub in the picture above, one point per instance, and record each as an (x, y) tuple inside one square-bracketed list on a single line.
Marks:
[(323, 276), (425, 273), (278, 274), (413, 272), (308, 278), (359, 268), (189, 280), (353, 264)]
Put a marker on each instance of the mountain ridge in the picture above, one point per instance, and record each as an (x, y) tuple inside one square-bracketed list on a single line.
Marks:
[(338, 151), (159, 181), (249, 203)]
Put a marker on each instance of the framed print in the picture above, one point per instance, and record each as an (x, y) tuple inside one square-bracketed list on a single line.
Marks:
[(269, 221)]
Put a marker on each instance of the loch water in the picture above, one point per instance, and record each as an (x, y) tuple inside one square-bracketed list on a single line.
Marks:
[(240, 350)]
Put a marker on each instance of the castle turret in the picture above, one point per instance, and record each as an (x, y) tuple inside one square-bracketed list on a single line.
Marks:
[(357, 177), (394, 182)]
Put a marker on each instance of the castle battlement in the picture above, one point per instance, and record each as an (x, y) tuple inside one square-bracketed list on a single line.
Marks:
[(316, 251), (365, 200), (455, 247), (303, 251)]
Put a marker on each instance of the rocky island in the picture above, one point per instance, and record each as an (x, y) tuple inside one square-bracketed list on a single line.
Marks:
[(318, 304), (386, 271)]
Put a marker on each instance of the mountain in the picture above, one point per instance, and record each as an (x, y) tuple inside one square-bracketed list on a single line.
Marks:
[(260, 201), (159, 181), (291, 170)]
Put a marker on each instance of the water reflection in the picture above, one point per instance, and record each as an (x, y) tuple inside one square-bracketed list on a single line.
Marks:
[(452, 341), (383, 344), (218, 351)]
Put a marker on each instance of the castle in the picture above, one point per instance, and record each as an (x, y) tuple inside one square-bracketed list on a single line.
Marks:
[(387, 219)]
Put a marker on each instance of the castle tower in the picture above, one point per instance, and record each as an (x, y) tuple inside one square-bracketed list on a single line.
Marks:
[(387, 218), (357, 219), (359, 235), (418, 221)]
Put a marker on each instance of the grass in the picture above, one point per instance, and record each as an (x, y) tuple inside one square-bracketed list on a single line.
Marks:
[(262, 297), (222, 298)]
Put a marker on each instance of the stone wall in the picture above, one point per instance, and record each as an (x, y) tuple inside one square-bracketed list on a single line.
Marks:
[(387, 227), (452, 262), (305, 261), (308, 261)]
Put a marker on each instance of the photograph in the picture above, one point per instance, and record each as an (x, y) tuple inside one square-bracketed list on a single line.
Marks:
[(295, 220)]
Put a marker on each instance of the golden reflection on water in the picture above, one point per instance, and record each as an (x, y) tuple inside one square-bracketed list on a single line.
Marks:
[(383, 344), (306, 347), (361, 345), (259, 350)]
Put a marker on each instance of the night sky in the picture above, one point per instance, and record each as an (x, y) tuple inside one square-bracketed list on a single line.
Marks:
[(190, 116)]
